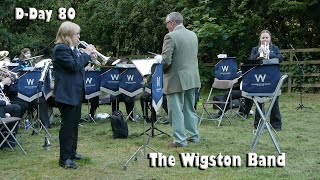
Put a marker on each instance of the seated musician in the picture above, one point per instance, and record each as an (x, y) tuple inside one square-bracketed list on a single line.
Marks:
[(8, 109), (128, 101), (94, 102), (147, 97), (12, 92)]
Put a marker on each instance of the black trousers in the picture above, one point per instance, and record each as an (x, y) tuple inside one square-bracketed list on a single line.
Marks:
[(147, 100), (68, 135), (128, 101), (275, 116), (94, 104)]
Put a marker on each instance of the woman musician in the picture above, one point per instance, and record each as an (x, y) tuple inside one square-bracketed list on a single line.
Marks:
[(267, 50)]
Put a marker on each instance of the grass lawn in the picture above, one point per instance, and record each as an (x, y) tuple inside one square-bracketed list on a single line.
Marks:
[(105, 157)]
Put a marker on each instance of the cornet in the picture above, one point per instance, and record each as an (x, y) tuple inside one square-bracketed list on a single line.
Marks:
[(265, 51), (93, 60), (101, 56)]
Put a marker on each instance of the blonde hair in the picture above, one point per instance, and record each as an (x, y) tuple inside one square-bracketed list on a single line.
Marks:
[(23, 51), (66, 30)]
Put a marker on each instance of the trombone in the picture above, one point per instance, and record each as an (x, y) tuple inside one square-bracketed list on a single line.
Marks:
[(101, 56)]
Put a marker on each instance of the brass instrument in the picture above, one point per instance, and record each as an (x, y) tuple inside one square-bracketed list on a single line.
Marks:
[(4, 98), (264, 54), (93, 61), (4, 73), (101, 56)]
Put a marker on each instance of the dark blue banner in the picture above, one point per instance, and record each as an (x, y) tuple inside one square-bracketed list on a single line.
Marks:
[(157, 85), (130, 82), (92, 84), (110, 81), (28, 85), (47, 90), (226, 69), (261, 79)]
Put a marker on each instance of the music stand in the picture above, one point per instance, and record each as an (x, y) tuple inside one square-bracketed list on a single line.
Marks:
[(144, 68), (302, 74), (260, 85), (146, 101), (44, 73)]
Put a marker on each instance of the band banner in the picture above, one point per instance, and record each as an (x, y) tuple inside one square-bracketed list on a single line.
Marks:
[(92, 84), (47, 91), (261, 79), (130, 82), (110, 81), (226, 69), (28, 84), (157, 85)]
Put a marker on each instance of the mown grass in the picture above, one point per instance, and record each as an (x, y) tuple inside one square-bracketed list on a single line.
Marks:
[(105, 157)]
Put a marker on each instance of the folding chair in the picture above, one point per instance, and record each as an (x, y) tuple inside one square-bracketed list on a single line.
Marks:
[(262, 84), (6, 132), (225, 78)]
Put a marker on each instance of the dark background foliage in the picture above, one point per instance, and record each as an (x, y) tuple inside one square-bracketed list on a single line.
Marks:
[(134, 27)]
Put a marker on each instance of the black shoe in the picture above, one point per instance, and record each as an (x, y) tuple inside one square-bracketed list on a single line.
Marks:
[(216, 116), (67, 164), (76, 157), (277, 129)]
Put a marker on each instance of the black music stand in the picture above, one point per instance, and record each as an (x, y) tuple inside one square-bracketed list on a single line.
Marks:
[(153, 117), (144, 67), (39, 87), (302, 75)]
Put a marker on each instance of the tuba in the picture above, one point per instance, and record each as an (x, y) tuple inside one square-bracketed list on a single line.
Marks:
[(101, 56)]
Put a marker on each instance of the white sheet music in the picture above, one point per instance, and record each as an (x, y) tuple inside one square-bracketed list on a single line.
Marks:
[(144, 65)]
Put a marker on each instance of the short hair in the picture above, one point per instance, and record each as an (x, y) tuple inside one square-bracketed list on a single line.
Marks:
[(176, 17), (66, 30)]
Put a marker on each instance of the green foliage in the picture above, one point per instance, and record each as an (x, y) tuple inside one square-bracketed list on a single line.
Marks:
[(131, 27)]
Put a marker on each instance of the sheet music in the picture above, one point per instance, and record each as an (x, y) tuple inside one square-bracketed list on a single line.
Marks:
[(144, 65)]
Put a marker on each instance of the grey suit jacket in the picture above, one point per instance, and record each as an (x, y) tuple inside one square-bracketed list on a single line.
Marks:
[(179, 53)]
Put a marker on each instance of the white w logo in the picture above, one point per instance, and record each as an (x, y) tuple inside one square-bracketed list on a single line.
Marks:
[(260, 77), (130, 77), (88, 80), (114, 77), (30, 82), (158, 81), (224, 68)]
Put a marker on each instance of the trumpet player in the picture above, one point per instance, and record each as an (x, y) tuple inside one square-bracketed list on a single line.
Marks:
[(265, 48), (69, 74), (273, 52)]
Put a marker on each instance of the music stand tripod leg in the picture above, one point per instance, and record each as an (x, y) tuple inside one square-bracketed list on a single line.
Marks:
[(142, 149)]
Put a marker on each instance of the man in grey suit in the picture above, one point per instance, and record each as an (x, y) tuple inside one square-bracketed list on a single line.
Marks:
[(180, 78)]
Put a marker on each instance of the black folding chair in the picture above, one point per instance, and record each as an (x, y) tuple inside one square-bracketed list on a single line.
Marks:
[(6, 131)]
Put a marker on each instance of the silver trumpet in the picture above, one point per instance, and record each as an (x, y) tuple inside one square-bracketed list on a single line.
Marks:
[(101, 56), (265, 51), (93, 60)]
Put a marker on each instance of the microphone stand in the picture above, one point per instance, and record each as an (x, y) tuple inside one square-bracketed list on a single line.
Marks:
[(300, 106)]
